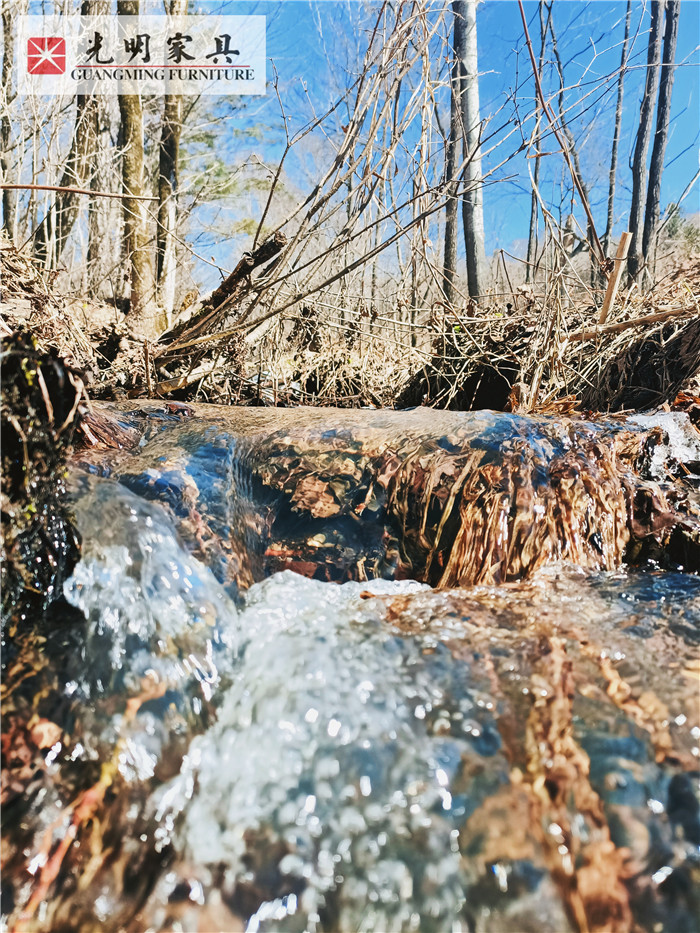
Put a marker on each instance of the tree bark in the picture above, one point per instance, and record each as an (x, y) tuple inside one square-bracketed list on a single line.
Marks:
[(9, 197), (54, 230), (171, 127), (472, 203), (143, 313), (663, 113), (616, 133), (534, 206), (639, 162), (450, 254)]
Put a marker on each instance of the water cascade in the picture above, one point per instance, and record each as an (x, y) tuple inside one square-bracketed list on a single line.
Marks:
[(365, 671)]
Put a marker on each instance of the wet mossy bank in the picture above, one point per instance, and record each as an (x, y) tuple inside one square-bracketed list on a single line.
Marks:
[(42, 403)]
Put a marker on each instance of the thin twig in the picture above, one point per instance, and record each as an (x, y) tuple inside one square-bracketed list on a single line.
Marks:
[(592, 333), (97, 194), (565, 149)]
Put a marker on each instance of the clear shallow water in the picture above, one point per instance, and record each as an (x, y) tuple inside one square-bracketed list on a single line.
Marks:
[(343, 742), (365, 756), (332, 733)]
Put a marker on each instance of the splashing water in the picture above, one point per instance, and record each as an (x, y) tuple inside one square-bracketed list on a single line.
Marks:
[(337, 743), (365, 756), (336, 740)]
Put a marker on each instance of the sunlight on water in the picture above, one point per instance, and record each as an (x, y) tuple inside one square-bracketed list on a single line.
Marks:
[(322, 759), (334, 745), (681, 440), (159, 623)]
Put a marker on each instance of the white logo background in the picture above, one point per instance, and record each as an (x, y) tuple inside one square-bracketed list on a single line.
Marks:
[(207, 54)]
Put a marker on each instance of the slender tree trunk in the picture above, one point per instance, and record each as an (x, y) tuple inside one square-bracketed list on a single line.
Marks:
[(167, 199), (450, 254), (60, 219), (663, 113), (97, 182), (616, 133), (639, 161), (142, 308), (414, 263), (534, 206), (171, 127), (79, 167), (9, 197), (472, 204)]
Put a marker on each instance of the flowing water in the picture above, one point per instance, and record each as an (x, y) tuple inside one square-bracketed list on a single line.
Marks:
[(243, 750)]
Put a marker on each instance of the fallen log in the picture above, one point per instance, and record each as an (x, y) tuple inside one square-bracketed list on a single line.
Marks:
[(209, 317)]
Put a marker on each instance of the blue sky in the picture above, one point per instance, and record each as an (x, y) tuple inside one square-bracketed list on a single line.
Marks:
[(314, 44)]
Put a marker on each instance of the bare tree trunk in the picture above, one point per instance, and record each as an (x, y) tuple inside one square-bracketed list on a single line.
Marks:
[(143, 312), (9, 197), (616, 134), (171, 127), (450, 255), (472, 204), (60, 219), (639, 161), (167, 199), (663, 113), (93, 248), (534, 206), (414, 264)]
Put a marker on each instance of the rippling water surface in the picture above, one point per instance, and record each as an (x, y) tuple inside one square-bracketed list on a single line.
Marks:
[(365, 756)]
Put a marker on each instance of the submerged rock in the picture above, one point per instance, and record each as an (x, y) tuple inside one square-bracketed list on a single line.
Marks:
[(380, 756), (447, 498)]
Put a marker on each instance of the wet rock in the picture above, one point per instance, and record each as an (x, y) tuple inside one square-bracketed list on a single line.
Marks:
[(445, 498), (41, 408)]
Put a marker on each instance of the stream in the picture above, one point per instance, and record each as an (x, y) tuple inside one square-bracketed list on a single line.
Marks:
[(365, 671)]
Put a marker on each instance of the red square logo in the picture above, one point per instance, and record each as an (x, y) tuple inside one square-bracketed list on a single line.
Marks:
[(46, 56)]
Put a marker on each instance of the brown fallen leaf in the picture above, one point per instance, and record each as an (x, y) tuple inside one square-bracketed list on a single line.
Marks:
[(45, 733), (311, 495)]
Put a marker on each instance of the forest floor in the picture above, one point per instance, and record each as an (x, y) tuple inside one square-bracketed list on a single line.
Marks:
[(542, 356)]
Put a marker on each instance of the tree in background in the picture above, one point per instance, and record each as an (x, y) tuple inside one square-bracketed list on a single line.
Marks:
[(663, 114), (534, 206), (616, 132), (639, 162), (55, 228), (143, 312), (9, 196), (451, 144), (168, 154), (473, 198), (465, 123)]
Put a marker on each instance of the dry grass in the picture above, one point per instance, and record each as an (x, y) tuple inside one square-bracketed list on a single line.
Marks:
[(529, 348)]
